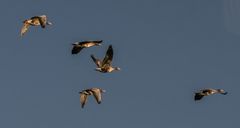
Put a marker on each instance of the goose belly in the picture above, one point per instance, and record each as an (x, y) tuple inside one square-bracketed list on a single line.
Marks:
[(35, 22), (89, 45)]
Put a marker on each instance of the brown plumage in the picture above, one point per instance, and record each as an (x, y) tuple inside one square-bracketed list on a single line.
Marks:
[(206, 92), (96, 92), (105, 65), (78, 46), (35, 21)]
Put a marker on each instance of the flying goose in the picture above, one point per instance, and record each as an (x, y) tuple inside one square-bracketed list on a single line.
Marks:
[(105, 65), (206, 92), (96, 92), (78, 46), (35, 21)]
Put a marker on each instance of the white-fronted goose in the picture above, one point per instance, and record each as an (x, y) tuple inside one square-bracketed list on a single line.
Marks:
[(78, 46), (105, 65), (35, 21), (206, 92), (96, 92)]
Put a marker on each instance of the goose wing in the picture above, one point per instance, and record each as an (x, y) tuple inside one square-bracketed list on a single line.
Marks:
[(97, 94), (97, 42), (24, 28), (76, 49), (109, 56), (207, 90), (93, 42), (198, 96), (83, 99), (96, 61)]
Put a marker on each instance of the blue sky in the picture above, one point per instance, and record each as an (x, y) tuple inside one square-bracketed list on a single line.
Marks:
[(166, 49)]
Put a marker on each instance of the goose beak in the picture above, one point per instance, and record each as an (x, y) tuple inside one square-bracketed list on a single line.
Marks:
[(75, 43)]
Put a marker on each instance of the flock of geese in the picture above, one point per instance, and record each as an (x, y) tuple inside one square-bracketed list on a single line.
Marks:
[(103, 66)]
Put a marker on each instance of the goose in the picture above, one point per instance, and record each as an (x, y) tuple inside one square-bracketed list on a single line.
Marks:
[(104, 66), (206, 92), (35, 21), (78, 46), (96, 92)]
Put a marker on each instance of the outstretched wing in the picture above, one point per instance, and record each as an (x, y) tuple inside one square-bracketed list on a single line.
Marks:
[(109, 55), (76, 49), (91, 43), (43, 20), (96, 42), (24, 28), (97, 94), (198, 96), (96, 61), (208, 90), (83, 99)]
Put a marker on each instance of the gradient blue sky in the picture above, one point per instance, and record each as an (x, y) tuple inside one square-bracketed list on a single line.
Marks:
[(167, 49)]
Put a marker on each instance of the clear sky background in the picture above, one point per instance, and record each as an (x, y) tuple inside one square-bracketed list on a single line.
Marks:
[(167, 50)]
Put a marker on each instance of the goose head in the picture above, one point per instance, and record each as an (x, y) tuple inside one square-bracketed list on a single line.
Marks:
[(49, 23), (117, 68), (221, 91), (98, 69), (99, 44), (102, 90), (82, 92)]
